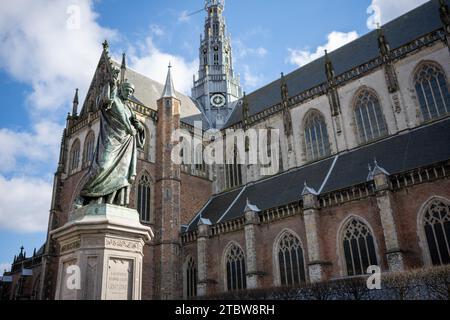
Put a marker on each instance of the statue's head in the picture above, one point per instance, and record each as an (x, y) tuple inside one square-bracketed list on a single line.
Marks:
[(115, 72), (126, 90)]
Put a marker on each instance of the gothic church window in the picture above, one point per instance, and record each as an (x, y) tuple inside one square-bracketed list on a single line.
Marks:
[(233, 172), (191, 278), (269, 142), (290, 260), (369, 117), (316, 137), (235, 269), (436, 223), (144, 198), (216, 29), (200, 166), (359, 247), (89, 148), (272, 167), (74, 159), (36, 286), (432, 91)]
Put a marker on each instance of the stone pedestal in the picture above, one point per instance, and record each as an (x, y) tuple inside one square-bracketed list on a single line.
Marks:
[(101, 251)]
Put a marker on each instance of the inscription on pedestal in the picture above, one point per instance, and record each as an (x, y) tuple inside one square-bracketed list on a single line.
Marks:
[(120, 279)]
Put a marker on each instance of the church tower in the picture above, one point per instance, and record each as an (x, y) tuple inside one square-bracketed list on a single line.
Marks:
[(168, 275), (216, 87)]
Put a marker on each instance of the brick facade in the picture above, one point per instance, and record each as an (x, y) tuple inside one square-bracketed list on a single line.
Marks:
[(390, 206)]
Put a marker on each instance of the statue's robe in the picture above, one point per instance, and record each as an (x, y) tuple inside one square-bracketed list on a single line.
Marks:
[(115, 157)]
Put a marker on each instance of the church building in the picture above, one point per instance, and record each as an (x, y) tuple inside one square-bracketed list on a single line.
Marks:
[(362, 180)]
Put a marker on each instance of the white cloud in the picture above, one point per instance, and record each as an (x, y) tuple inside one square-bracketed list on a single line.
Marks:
[(252, 80), (25, 207), (4, 266), (242, 51), (152, 62), (156, 30), (40, 145), (336, 39), (53, 46), (184, 16), (382, 11)]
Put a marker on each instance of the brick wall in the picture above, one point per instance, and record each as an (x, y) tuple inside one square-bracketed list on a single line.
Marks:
[(407, 204)]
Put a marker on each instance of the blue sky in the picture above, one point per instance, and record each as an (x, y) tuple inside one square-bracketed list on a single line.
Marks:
[(45, 55)]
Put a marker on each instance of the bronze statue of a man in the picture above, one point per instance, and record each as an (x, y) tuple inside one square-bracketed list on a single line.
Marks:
[(113, 168)]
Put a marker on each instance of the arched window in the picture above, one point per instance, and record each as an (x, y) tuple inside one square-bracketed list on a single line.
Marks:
[(36, 285), (316, 137), (88, 150), (191, 278), (200, 164), (436, 222), (359, 247), (271, 146), (234, 172), (369, 117), (290, 260), (74, 156), (144, 198), (432, 91), (269, 143), (235, 268)]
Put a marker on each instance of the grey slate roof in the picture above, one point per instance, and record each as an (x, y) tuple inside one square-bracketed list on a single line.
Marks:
[(216, 207), (405, 151), (169, 91), (398, 32), (190, 120), (400, 153), (148, 92)]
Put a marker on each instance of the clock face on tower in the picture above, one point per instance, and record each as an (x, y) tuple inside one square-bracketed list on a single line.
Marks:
[(218, 100)]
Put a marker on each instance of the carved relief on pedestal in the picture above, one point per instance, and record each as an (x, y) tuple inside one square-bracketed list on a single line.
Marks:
[(71, 246), (123, 244)]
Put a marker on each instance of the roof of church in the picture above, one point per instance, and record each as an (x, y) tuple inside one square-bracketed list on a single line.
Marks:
[(148, 92), (398, 32), (396, 154), (197, 118), (169, 90)]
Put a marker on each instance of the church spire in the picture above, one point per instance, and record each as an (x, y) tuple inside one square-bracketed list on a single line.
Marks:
[(329, 69), (169, 91), (284, 88), (382, 42), (444, 13), (75, 104), (210, 3), (216, 87), (123, 68)]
